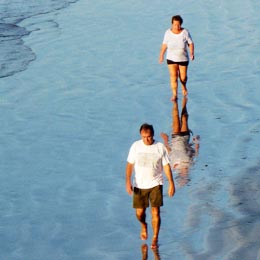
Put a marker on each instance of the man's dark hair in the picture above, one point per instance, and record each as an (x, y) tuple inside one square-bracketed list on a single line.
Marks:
[(147, 127), (177, 18)]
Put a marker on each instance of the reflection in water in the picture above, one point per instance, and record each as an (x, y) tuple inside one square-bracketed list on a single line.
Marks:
[(182, 152), (144, 250)]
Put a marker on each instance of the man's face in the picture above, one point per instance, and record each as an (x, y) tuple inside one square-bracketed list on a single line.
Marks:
[(147, 137)]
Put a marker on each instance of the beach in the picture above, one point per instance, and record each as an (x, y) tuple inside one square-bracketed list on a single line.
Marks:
[(78, 78)]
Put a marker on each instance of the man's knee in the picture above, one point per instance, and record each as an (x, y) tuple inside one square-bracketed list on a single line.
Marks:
[(155, 211), (140, 214)]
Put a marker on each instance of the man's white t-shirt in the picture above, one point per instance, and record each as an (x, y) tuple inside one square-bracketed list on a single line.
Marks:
[(177, 45), (148, 163)]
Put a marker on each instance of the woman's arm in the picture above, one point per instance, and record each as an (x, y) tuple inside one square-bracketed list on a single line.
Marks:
[(191, 47), (162, 52), (166, 141)]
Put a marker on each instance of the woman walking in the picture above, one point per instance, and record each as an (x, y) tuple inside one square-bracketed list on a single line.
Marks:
[(177, 40)]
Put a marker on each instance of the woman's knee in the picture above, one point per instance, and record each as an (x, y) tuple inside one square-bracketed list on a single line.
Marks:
[(184, 79), (173, 78)]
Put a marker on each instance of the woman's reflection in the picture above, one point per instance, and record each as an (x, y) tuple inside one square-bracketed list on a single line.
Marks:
[(181, 150)]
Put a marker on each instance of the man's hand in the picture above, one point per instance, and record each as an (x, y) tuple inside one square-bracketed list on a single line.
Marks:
[(168, 173), (171, 189), (129, 188), (128, 174)]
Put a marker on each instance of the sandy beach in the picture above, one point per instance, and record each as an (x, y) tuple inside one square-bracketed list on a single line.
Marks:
[(84, 78)]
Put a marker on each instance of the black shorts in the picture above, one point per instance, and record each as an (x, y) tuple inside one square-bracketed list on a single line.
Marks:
[(142, 197), (181, 63), (186, 133)]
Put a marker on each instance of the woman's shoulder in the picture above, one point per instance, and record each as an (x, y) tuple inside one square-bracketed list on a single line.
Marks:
[(168, 31), (184, 30)]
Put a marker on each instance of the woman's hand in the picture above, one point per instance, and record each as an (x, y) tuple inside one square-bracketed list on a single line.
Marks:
[(161, 60)]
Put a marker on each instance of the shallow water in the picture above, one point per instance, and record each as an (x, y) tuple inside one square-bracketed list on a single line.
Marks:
[(73, 95)]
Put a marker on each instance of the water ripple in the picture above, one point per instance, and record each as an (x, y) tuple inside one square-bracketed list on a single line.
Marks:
[(15, 55)]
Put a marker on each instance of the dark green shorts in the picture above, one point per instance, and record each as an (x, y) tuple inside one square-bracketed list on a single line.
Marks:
[(142, 197)]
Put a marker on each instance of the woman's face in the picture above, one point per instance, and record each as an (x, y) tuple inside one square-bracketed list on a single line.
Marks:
[(176, 25)]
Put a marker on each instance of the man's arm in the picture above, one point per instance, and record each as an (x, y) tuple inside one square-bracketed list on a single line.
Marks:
[(128, 175), (168, 173)]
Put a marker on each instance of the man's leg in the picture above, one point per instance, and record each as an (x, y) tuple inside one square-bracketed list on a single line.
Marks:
[(156, 223), (141, 216)]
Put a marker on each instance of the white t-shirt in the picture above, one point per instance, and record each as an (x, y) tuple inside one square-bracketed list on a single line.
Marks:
[(177, 45), (148, 163)]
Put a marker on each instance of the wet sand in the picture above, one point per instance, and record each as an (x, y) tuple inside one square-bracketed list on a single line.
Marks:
[(67, 128)]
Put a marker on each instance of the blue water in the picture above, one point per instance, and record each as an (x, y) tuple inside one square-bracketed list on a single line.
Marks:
[(77, 80), (15, 55)]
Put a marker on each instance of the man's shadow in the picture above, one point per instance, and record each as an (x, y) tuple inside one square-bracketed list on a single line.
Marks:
[(182, 149)]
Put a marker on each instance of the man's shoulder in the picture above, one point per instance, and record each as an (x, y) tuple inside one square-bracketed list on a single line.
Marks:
[(136, 143)]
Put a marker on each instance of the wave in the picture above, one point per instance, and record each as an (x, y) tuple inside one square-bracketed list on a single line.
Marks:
[(14, 54)]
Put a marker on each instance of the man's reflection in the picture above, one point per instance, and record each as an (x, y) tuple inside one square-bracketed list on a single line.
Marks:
[(144, 250), (181, 150)]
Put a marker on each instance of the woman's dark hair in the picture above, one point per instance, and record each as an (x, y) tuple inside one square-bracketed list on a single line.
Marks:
[(147, 127), (177, 18)]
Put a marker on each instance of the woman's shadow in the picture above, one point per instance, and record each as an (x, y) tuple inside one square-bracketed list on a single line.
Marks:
[(181, 150)]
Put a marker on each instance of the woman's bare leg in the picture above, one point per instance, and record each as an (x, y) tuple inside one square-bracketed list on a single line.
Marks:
[(183, 78), (174, 71), (176, 124), (184, 116)]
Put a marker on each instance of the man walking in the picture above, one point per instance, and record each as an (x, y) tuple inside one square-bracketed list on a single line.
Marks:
[(148, 159)]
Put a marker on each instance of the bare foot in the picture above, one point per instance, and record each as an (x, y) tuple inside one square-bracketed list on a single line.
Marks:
[(184, 91), (144, 234), (154, 244)]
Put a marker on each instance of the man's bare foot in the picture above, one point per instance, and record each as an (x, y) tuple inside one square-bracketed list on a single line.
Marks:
[(144, 234), (154, 244)]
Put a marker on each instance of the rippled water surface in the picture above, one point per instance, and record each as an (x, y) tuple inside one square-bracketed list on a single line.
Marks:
[(78, 78)]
